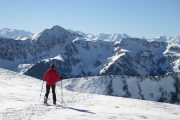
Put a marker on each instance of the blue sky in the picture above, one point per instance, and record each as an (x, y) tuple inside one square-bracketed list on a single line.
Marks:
[(149, 18)]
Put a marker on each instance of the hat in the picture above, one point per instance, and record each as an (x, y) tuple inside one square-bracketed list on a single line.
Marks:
[(52, 66)]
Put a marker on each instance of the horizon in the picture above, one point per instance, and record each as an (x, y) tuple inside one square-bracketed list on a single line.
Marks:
[(92, 33), (141, 18)]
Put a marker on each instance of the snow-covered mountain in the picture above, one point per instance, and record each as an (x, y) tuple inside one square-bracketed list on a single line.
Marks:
[(155, 88), (107, 37), (13, 33), (77, 55), (162, 38), (166, 39), (175, 40), (21, 100), (115, 37)]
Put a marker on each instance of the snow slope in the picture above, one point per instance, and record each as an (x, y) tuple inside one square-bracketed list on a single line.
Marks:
[(20, 100), (159, 88)]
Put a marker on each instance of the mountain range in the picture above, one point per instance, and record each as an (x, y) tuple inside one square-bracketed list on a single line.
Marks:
[(13, 33), (77, 54)]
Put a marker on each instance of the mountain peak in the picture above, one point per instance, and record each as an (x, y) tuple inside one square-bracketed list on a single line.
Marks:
[(55, 30), (162, 38), (58, 28)]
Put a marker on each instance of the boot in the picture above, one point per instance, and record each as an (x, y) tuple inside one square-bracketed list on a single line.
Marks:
[(45, 99), (54, 102)]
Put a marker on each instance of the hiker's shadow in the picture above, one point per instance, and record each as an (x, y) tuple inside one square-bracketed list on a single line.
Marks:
[(81, 110)]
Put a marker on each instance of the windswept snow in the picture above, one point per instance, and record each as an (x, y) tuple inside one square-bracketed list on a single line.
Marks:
[(20, 100)]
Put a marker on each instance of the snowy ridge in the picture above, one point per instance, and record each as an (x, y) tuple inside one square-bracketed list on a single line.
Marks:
[(13, 33), (20, 101), (107, 37), (115, 37), (163, 89), (175, 40), (162, 38)]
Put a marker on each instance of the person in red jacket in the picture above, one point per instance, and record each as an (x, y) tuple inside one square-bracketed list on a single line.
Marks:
[(51, 77)]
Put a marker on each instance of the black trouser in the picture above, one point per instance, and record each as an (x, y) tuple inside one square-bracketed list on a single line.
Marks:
[(53, 91)]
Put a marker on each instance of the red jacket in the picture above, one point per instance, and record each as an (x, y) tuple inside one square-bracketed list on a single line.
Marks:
[(51, 77)]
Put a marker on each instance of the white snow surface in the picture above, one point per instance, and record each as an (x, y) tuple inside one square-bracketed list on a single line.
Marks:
[(20, 100)]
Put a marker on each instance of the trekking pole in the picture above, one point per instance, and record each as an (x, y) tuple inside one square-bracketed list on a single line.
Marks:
[(41, 89), (61, 93)]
